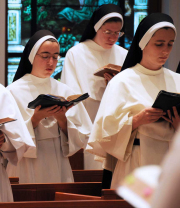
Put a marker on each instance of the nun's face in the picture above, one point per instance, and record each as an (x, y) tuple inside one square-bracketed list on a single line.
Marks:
[(108, 40), (158, 49), (44, 67)]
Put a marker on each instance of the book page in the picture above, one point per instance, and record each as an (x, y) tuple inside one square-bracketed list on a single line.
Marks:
[(109, 66), (6, 120), (73, 97)]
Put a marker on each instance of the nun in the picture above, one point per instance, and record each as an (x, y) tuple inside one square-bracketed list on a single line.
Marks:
[(58, 132), (15, 140), (125, 126), (96, 49)]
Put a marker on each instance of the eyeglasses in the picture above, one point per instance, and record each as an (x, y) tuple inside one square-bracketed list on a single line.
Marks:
[(47, 57), (117, 34)]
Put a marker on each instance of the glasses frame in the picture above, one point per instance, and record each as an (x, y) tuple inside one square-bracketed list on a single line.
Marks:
[(48, 57), (107, 32)]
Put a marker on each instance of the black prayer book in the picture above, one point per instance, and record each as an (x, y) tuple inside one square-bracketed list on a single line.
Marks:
[(166, 100), (48, 100)]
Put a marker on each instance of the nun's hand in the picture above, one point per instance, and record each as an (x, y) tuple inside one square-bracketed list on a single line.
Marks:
[(108, 77), (173, 120), (146, 116), (40, 114), (61, 118), (2, 138)]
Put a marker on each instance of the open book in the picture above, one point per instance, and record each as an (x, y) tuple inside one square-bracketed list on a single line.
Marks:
[(138, 187), (166, 100), (6, 120), (110, 69), (47, 100)]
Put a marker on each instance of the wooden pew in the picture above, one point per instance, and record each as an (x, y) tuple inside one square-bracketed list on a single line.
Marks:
[(14, 180), (46, 192), (77, 160), (69, 204), (109, 194), (59, 196), (79, 176), (88, 175), (106, 194)]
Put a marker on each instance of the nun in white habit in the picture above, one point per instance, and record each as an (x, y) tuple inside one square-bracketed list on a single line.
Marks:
[(15, 141), (125, 126), (57, 132), (96, 49)]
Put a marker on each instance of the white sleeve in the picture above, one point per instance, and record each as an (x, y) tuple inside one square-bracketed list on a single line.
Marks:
[(112, 129), (79, 127), (16, 132)]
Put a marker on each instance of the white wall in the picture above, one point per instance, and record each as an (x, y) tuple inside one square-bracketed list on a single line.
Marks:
[(2, 40), (172, 7)]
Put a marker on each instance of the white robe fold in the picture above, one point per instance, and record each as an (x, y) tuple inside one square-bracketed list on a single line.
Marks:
[(18, 140), (167, 193), (80, 64), (50, 163), (126, 95)]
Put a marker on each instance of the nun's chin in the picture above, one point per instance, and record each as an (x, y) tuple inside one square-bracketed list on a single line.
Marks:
[(108, 46)]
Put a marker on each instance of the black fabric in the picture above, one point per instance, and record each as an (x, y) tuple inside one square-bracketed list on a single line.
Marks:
[(103, 10), (178, 69), (25, 66), (134, 55), (106, 180), (136, 142)]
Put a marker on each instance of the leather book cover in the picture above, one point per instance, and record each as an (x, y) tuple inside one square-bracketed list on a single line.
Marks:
[(47, 100), (166, 100), (110, 69)]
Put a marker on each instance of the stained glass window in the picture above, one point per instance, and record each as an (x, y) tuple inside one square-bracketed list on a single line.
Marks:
[(66, 19)]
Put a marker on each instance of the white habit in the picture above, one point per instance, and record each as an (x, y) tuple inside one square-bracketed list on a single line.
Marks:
[(53, 148), (18, 141), (80, 64), (126, 95), (167, 193)]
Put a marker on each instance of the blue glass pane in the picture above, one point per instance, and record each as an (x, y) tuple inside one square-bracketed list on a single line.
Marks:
[(135, 11), (19, 24), (12, 67)]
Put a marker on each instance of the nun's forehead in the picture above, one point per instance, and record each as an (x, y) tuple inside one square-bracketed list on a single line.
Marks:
[(163, 28), (150, 32), (37, 46), (107, 17), (47, 43)]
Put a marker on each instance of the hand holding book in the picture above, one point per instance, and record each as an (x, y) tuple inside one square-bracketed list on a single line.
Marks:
[(166, 101), (174, 120), (111, 69), (47, 100), (51, 105)]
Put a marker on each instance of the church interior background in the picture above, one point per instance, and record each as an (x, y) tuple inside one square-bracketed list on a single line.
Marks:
[(66, 19)]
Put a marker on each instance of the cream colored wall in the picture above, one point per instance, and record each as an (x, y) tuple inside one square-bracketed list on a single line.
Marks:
[(172, 7), (2, 40)]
